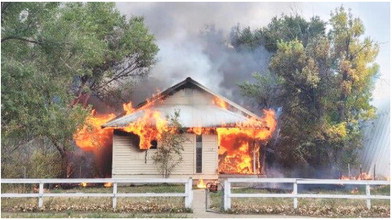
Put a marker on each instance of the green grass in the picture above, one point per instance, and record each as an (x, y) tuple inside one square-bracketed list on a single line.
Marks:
[(308, 207)]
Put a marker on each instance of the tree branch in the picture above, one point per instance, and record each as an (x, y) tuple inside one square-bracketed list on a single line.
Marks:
[(20, 39)]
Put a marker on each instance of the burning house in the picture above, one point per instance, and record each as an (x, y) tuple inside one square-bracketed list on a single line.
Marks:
[(221, 136)]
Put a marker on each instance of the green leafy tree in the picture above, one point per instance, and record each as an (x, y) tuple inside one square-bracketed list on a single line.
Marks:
[(267, 89), (353, 62), (56, 55), (283, 28), (324, 87), (169, 152)]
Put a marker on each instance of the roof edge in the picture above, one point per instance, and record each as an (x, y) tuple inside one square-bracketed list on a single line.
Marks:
[(173, 88)]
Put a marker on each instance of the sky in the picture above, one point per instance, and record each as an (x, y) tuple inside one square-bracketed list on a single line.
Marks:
[(178, 28)]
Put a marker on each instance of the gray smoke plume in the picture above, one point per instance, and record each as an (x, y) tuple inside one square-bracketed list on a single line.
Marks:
[(193, 39)]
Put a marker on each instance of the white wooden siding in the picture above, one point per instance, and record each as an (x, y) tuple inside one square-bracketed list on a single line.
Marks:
[(196, 110), (210, 154), (129, 161), (189, 97)]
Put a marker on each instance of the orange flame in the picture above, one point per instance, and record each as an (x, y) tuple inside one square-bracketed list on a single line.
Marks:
[(239, 146), (364, 176), (91, 135), (361, 176), (83, 184), (200, 131), (201, 184), (128, 108), (155, 123), (107, 185), (345, 178), (219, 102)]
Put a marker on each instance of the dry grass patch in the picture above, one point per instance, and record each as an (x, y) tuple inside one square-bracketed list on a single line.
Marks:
[(101, 204), (307, 207)]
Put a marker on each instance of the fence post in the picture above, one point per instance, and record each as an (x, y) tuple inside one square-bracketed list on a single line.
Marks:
[(295, 192), (226, 195), (189, 194), (206, 199), (114, 199), (40, 195), (368, 204)]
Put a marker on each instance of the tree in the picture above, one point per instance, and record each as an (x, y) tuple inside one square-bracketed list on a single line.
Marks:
[(323, 86), (353, 61), (169, 152), (284, 28), (267, 88), (56, 55), (35, 159)]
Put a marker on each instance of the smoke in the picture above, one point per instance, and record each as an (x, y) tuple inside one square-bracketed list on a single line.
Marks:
[(193, 39)]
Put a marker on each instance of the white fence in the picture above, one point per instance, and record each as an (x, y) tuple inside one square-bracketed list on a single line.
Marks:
[(227, 194), (188, 195)]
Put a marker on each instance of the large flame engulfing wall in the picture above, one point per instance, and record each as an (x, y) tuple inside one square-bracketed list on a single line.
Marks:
[(239, 144), (239, 147), (91, 136)]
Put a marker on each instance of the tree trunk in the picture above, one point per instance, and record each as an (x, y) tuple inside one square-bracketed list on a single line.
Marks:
[(64, 154), (64, 165)]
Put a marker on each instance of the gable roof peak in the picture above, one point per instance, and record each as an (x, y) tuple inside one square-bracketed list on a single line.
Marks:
[(239, 112)]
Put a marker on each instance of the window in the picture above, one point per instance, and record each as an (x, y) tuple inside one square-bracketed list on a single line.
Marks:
[(154, 144), (199, 152)]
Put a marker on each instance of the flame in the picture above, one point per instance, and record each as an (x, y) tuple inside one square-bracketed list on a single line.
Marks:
[(196, 130), (364, 176), (361, 176), (128, 108), (200, 131), (239, 145), (219, 102), (91, 135), (156, 124), (201, 184), (345, 178), (83, 184), (107, 185)]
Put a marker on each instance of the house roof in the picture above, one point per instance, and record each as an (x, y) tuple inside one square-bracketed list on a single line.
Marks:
[(191, 114)]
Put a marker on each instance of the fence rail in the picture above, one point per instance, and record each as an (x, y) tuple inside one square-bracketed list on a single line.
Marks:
[(227, 194), (188, 194)]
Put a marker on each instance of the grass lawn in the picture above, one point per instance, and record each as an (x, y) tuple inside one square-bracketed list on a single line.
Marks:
[(308, 207), (96, 207)]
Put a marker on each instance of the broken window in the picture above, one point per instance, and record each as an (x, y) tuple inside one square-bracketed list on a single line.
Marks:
[(153, 144)]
